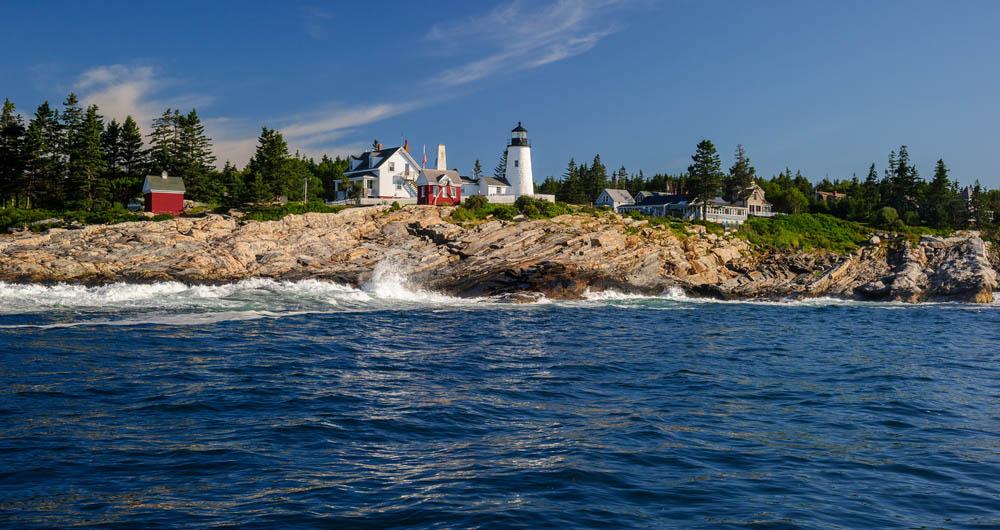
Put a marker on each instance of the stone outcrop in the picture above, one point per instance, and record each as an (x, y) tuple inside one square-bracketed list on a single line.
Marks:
[(561, 257)]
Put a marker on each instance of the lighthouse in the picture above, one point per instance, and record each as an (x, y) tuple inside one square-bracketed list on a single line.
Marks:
[(518, 171)]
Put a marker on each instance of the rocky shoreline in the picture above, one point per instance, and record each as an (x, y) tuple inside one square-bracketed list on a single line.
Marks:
[(563, 257)]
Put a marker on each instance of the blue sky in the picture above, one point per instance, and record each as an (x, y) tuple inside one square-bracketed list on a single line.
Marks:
[(825, 87)]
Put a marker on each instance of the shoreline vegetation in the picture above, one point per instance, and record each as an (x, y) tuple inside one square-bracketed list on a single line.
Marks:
[(70, 168), (561, 253)]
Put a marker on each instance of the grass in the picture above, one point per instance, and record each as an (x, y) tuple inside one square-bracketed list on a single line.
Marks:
[(18, 218), (276, 212), (804, 232)]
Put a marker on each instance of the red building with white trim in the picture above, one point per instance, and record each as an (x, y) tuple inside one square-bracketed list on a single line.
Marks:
[(164, 194), (438, 187)]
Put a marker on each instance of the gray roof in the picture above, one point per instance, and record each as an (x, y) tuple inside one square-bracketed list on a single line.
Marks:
[(493, 181), (662, 198), (161, 183), (434, 176), (619, 195), (366, 159)]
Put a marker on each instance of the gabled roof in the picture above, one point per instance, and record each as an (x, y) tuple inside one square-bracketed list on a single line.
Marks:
[(162, 183), (493, 181), (659, 199), (379, 157), (438, 177), (617, 195)]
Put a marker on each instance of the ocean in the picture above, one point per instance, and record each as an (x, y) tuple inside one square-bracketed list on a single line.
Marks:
[(267, 404)]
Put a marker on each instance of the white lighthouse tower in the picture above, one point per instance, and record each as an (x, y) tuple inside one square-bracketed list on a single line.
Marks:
[(518, 172)]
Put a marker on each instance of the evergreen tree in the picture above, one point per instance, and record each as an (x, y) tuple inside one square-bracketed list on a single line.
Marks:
[(128, 165), (741, 176), (331, 172), (12, 155), (43, 159), (477, 170), (941, 199), (195, 161), (704, 175), (596, 180), (500, 171), (87, 189), (164, 143), (570, 191), (233, 179), (265, 177)]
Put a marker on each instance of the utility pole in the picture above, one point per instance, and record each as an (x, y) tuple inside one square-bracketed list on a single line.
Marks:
[(305, 190)]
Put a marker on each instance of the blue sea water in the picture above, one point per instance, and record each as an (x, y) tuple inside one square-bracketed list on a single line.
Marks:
[(312, 405)]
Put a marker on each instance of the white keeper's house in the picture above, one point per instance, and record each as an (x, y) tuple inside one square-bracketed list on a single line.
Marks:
[(385, 173)]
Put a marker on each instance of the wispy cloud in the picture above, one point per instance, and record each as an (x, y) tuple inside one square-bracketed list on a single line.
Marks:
[(317, 22), (517, 36), (121, 91), (521, 35)]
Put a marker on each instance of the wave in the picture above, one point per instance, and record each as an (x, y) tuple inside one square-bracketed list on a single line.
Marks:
[(182, 319)]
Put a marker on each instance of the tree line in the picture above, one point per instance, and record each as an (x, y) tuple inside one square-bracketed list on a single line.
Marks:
[(899, 196), (72, 159)]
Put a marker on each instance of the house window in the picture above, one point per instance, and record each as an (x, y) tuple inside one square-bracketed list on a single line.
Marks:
[(369, 184), (498, 190), (392, 166), (407, 168), (517, 163)]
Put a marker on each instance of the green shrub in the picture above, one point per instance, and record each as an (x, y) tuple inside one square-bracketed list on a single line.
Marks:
[(395, 207), (887, 217), (274, 213), (804, 232), (475, 202)]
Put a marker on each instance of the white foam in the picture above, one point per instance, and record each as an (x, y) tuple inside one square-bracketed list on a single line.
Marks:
[(388, 282), (180, 319)]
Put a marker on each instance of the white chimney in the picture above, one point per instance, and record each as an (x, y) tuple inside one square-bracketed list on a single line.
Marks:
[(442, 161)]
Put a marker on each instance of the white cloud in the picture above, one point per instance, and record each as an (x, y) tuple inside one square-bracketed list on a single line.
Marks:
[(519, 36), (120, 91)]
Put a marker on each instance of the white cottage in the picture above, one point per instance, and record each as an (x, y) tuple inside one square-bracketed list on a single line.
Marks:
[(389, 173), (614, 199)]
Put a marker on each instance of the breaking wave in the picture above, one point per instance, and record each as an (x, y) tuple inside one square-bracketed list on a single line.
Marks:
[(178, 304)]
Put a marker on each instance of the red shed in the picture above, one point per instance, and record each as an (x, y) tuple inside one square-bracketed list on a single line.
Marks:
[(439, 186), (164, 194)]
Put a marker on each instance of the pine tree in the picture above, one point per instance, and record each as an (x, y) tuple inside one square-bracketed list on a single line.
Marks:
[(264, 178), (570, 184), (477, 170), (597, 179), (12, 155), (704, 175), (43, 159), (194, 159), (941, 199), (163, 142), (86, 165), (741, 176), (500, 171), (233, 178)]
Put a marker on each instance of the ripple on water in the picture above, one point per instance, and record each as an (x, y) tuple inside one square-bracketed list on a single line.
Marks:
[(377, 408)]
